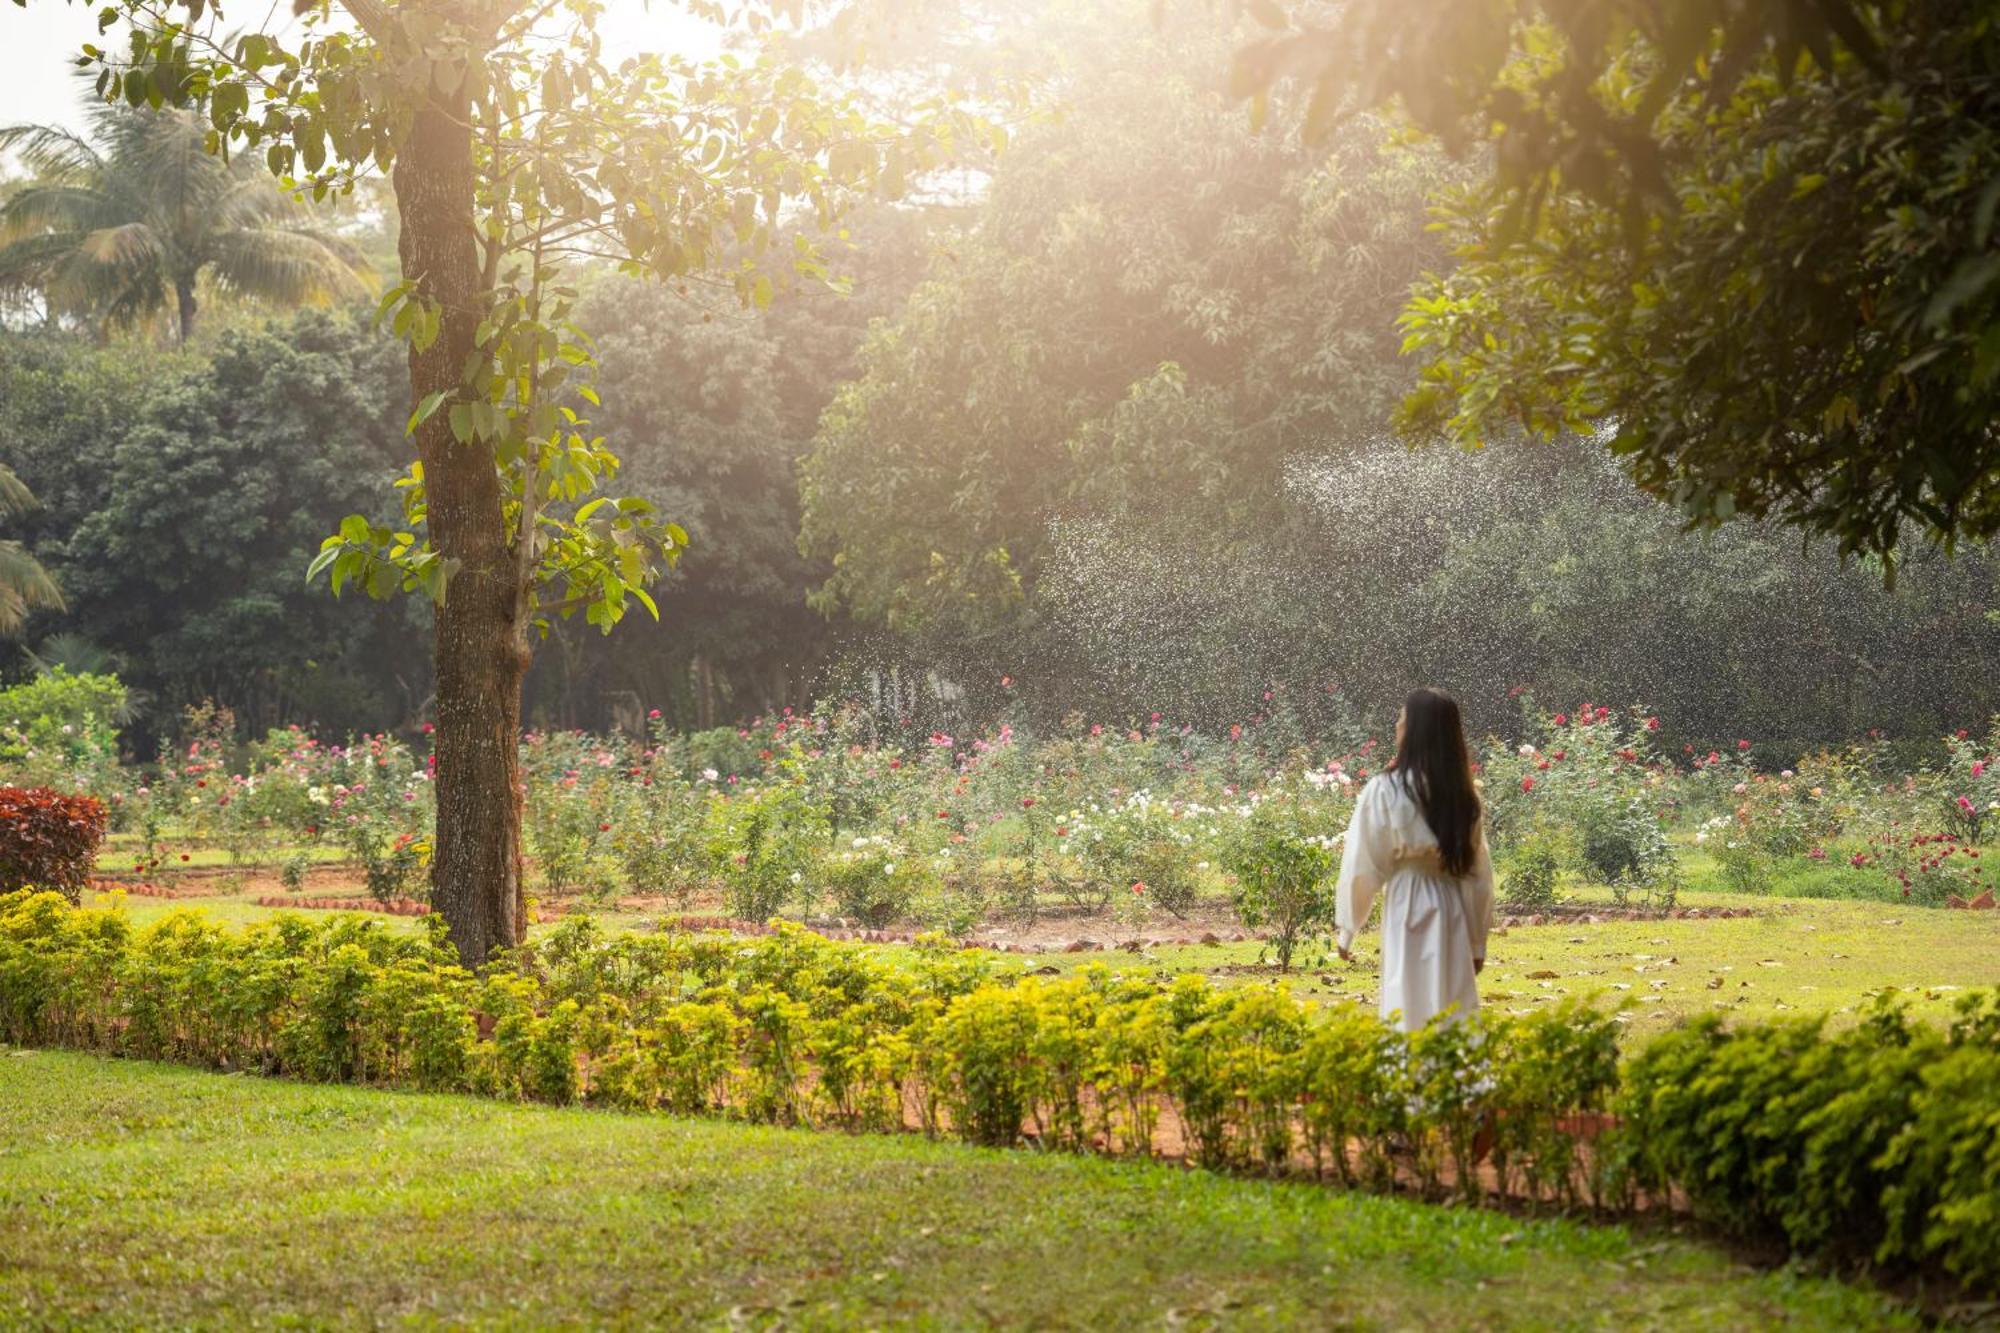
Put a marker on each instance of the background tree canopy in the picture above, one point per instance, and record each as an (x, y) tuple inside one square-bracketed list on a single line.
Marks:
[(1114, 419), (1753, 242), (180, 510), (1155, 306)]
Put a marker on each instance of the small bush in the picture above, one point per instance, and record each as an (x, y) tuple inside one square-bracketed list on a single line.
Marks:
[(1284, 860), (875, 880), (48, 840), (761, 845), (1533, 867)]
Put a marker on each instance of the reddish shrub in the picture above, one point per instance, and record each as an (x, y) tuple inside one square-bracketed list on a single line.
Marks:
[(48, 840)]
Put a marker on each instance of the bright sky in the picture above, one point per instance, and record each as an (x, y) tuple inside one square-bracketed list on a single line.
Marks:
[(38, 45)]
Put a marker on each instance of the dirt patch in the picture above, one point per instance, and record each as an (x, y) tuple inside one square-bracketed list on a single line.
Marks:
[(1591, 916), (394, 907)]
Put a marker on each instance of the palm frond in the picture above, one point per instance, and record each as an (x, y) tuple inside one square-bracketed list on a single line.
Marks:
[(129, 245), (121, 295), (281, 264), (59, 208), (77, 655), (50, 151), (28, 263), (15, 497), (24, 586)]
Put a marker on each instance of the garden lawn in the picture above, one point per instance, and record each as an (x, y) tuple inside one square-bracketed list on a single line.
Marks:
[(134, 1193), (1795, 957)]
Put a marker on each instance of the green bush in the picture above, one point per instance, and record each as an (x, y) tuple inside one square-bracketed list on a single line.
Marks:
[(762, 844), (61, 730), (875, 880), (1284, 857), (1879, 1144), (1534, 866)]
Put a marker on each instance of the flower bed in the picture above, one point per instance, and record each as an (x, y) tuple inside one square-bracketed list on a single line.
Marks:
[(839, 814)]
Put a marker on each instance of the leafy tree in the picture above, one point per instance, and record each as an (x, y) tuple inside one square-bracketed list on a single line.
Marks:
[(184, 501), (119, 229), (1752, 243), (713, 406), (1155, 308), (514, 151), (24, 585)]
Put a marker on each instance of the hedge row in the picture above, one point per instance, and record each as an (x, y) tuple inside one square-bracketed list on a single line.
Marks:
[(1880, 1144)]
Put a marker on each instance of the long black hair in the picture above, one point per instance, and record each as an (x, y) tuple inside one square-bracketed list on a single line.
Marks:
[(1435, 761)]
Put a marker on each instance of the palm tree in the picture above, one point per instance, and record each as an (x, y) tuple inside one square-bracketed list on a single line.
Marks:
[(126, 223), (24, 584)]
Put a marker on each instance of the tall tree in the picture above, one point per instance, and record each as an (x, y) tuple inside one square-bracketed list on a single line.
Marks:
[(1154, 308), (128, 223), (514, 151), (24, 585), (1752, 243)]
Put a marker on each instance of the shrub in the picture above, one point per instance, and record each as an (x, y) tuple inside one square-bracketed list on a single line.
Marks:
[(761, 845), (1283, 858), (875, 880), (1880, 1143), (1137, 841), (990, 1078), (656, 838), (48, 840), (1534, 865), (59, 729), (568, 830)]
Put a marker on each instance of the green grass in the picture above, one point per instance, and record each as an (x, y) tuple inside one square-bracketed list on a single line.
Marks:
[(120, 850), (137, 1194)]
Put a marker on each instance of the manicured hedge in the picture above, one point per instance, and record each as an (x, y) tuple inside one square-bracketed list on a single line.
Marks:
[(1876, 1145), (48, 839), (1879, 1144)]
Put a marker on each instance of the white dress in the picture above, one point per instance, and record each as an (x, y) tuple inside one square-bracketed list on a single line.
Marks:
[(1433, 924)]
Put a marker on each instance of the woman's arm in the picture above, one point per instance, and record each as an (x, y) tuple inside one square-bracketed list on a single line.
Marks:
[(1363, 854), (1478, 889)]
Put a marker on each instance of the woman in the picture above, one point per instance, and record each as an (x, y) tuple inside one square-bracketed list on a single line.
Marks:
[(1418, 839)]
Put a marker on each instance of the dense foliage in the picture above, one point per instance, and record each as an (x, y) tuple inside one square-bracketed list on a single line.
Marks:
[(1752, 242), (182, 502), (794, 1029), (48, 840), (1874, 1145)]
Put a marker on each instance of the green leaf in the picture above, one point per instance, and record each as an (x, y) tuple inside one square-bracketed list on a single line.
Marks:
[(424, 410)]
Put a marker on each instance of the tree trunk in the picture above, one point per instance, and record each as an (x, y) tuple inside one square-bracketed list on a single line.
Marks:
[(480, 655), (184, 307)]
